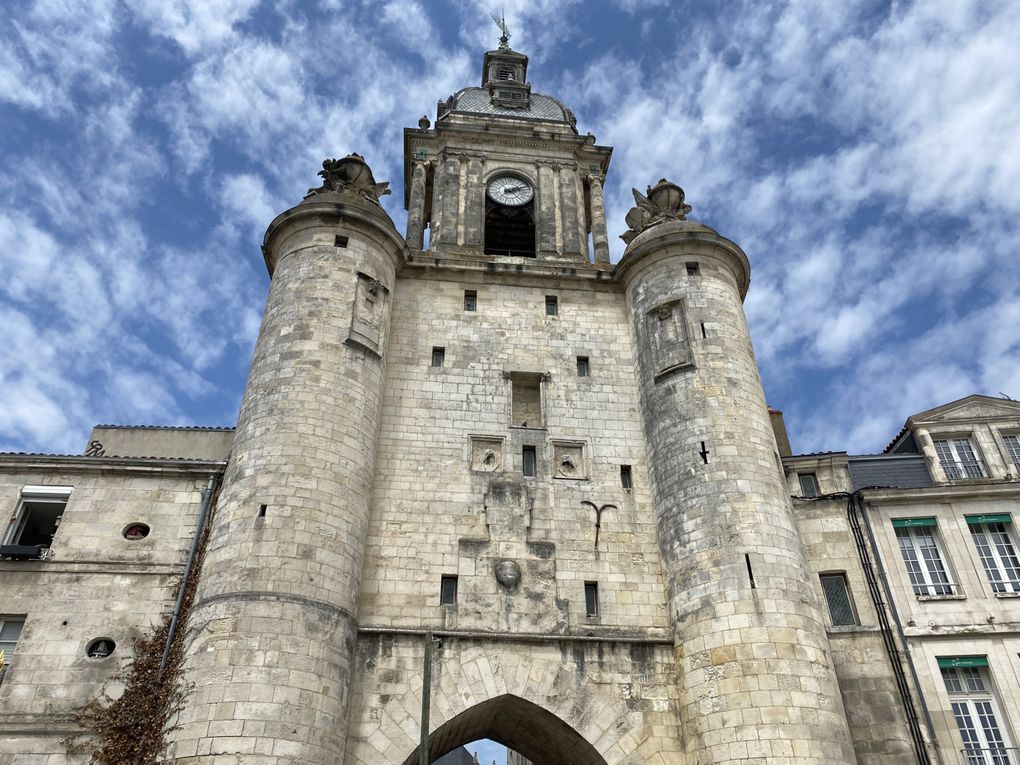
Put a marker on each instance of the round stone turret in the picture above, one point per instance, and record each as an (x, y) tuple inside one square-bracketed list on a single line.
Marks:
[(270, 641), (757, 681)]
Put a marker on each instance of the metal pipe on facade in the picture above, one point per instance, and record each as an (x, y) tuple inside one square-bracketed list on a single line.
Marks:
[(899, 625), (203, 514)]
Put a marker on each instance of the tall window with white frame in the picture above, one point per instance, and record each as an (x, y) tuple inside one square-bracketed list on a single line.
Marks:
[(928, 573), (1012, 443), (995, 547), (958, 458), (985, 740)]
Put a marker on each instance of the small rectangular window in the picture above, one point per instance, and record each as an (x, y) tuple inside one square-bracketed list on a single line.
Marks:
[(551, 305), (10, 631), (837, 596), (438, 356), (582, 366), (528, 460), (808, 485), (591, 598), (625, 477), (448, 590), (693, 269), (340, 241), (37, 516), (470, 300)]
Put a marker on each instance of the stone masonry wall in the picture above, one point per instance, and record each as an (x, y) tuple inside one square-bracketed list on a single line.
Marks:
[(97, 584), (757, 678)]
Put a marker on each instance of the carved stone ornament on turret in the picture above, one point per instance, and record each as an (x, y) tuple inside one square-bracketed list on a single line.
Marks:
[(350, 176), (664, 201)]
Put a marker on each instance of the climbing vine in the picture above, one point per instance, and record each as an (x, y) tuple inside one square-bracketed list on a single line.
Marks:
[(131, 729)]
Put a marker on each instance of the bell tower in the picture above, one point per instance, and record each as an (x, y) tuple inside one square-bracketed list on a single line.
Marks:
[(503, 172)]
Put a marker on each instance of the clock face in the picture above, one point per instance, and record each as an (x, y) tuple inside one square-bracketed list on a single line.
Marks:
[(511, 191)]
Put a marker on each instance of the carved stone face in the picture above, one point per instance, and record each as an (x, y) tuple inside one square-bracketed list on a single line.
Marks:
[(508, 574)]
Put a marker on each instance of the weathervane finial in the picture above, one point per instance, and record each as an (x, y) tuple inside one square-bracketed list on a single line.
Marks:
[(500, 19)]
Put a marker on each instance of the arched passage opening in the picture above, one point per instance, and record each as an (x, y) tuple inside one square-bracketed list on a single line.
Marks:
[(518, 724)]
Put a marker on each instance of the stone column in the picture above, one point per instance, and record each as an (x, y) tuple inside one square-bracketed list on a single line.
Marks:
[(271, 638), (416, 208), (757, 682), (572, 245), (546, 209), (599, 234)]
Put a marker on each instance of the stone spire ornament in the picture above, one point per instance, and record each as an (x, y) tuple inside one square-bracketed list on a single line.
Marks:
[(350, 176), (661, 202)]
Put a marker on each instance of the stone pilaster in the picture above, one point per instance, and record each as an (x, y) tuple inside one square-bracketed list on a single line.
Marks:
[(474, 205), (547, 192), (447, 233), (571, 233), (599, 233)]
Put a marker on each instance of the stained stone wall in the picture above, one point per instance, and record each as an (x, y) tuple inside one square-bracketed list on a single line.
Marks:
[(94, 584)]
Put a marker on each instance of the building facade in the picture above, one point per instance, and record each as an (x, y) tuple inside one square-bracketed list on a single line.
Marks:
[(481, 470)]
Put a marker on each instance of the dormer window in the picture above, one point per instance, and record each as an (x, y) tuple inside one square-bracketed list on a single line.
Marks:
[(958, 458)]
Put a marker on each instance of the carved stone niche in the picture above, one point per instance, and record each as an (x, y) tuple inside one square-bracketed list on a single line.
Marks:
[(368, 317), (568, 460), (486, 454), (669, 340)]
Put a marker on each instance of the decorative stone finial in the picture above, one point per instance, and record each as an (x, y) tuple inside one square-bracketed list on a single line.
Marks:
[(350, 175), (424, 123), (664, 201)]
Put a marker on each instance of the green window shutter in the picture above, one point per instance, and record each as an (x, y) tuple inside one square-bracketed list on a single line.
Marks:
[(948, 662), (978, 520), (906, 523)]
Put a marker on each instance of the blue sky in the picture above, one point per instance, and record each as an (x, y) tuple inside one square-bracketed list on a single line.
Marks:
[(866, 155)]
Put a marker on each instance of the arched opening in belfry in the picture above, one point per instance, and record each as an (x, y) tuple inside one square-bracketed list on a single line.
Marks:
[(540, 736), (510, 230)]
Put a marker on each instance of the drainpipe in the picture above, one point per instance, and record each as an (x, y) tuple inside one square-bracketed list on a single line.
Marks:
[(858, 500), (203, 514), (426, 698)]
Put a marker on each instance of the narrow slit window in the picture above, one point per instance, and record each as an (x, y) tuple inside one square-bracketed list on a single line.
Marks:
[(438, 356), (552, 306), (262, 510), (626, 481), (704, 332), (808, 485), (528, 460), (591, 598), (470, 300), (583, 370), (693, 269), (448, 590), (837, 597)]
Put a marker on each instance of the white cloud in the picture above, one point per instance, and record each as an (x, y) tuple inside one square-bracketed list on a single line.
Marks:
[(193, 24)]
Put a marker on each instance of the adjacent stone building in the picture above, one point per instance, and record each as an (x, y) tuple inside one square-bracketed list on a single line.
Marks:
[(479, 465)]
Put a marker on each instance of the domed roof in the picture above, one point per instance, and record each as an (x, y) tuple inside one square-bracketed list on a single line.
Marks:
[(479, 101)]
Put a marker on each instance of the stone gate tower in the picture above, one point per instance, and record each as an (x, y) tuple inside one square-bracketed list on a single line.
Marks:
[(484, 440)]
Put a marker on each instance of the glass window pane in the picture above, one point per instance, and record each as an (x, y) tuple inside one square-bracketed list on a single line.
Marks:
[(837, 595)]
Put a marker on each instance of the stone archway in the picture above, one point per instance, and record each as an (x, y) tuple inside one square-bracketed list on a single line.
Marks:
[(539, 735)]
